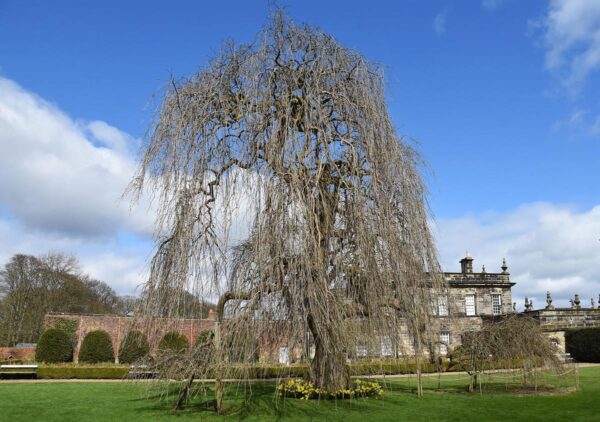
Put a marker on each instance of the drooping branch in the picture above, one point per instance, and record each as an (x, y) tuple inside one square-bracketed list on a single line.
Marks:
[(291, 136)]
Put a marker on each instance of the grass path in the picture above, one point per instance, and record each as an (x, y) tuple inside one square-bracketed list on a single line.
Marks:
[(116, 401)]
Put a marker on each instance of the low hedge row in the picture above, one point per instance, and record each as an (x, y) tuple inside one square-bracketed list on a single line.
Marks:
[(392, 368), (82, 372), (258, 371), (233, 371)]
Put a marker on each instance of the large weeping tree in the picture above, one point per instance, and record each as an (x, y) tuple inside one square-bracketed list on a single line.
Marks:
[(291, 135)]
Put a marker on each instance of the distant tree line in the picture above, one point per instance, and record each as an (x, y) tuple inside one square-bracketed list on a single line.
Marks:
[(32, 286)]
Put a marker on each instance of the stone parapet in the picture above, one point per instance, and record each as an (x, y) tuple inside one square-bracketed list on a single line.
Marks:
[(559, 319)]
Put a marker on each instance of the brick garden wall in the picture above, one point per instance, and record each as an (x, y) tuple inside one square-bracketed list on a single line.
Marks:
[(118, 326), (14, 353)]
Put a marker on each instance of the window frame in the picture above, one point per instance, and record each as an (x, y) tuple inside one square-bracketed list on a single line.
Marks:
[(362, 351), (496, 307), (387, 347), (474, 312), (442, 308), (444, 342)]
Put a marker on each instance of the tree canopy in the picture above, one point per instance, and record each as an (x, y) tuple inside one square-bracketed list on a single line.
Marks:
[(293, 132), (32, 286)]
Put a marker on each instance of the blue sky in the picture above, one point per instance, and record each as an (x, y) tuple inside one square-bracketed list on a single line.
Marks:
[(500, 94)]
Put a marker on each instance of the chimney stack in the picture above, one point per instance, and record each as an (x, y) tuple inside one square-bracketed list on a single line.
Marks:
[(212, 315), (466, 264)]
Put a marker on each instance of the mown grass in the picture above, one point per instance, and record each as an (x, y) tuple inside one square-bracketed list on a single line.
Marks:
[(138, 401)]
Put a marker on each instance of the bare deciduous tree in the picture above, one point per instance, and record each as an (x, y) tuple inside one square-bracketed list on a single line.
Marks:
[(294, 131), (515, 341), (30, 287)]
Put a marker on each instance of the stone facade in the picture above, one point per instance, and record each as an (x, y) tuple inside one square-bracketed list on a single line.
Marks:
[(470, 297), (554, 322)]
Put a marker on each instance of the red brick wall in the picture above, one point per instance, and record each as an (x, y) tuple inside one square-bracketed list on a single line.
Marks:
[(12, 353), (117, 327)]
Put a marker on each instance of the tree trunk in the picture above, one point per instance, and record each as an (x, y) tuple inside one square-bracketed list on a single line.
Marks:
[(419, 377), (218, 376), (328, 369)]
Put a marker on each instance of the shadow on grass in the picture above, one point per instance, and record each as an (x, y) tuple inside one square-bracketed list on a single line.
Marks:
[(256, 401)]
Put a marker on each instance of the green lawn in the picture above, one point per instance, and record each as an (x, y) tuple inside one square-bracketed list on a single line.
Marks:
[(132, 402)]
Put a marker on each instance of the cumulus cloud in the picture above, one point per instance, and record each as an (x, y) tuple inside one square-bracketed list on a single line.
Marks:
[(61, 175), (547, 247), (439, 23), (120, 264), (61, 183), (572, 38)]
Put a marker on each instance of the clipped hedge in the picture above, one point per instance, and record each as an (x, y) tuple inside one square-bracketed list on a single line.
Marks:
[(54, 346), (175, 342), (82, 372), (583, 344), (202, 338), (393, 368), (96, 348), (256, 371), (133, 347)]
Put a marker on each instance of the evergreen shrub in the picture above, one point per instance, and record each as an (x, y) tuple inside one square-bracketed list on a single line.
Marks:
[(133, 347), (96, 348), (54, 346), (583, 344), (174, 341)]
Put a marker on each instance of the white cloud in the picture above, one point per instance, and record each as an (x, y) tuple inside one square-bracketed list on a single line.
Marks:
[(61, 183), (112, 137), (572, 37), (580, 123), (126, 270), (439, 23), (107, 259), (547, 247), (60, 175)]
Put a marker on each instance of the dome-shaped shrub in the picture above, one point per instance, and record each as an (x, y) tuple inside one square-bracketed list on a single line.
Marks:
[(96, 348), (174, 341), (133, 347), (203, 339), (54, 346)]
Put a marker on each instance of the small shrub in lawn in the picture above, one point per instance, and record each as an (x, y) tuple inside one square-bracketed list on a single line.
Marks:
[(133, 347), (54, 346), (306, 390), (583, 344), (96, 348), (173, 342)]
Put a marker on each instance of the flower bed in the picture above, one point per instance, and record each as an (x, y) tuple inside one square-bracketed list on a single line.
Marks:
[(306, 390)]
